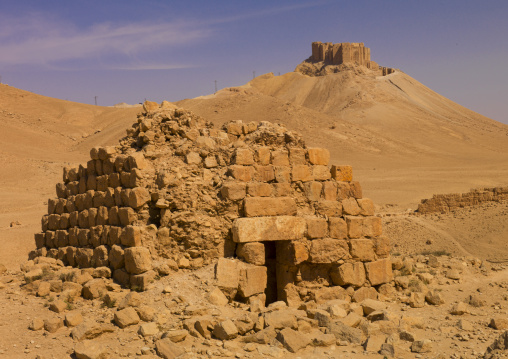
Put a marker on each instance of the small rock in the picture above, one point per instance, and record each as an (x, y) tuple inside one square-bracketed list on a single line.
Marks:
[(176, 335), (126, 317), (374, 342), (225, 330), (167, 349), (73, 319), (417, 300), (292, 340), (53, 324), (387, 350), (58, 306), (453, 274), (89, 350), (434, 297), (148, 329), (36, 324), (459, 308), (499, 323), (216, 297), (421, 346)]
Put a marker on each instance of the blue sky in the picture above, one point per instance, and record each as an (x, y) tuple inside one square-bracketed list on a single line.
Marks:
[(126, 51)]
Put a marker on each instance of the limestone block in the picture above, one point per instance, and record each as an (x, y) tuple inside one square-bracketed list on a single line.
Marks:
[(366, 206), (259, 189), (137, 160), (53, 324), (61, 190), (280, 158), (317, 227), (113, 218), (264, 173), (50, 239), (282, 174), (90, 168), (350, 206), (321, 173), (338, 227), (252, 280), (131, 236), (227, 274), (233, 190), (313, 190), (114, 180), (364, 293), (127, 216), (297, 156), (166, 349), (94, 289), (216, 297), (125, 179), (116, 257), (59, 205), (138, 197), (73, 219), (241, 173), (88, 199), (262, 229), (342, 173), (61, 238), (40, 240), (354, 226), (268, 206), (243, 156), (102, 216), (71, 256), (279, 319), (91, 182), (355, 189), (262, 156), (349, 274), (343, 190), (210, 162), (98, 168), (44, 222), (252, 252), (143, 280), (83, 237), (64, 221), (225, 330), (193, 158), (53, 222), (95, 236), (99, 199), (126, 317), (329, 208), (92, 217), (291, 252), (379, 272), (382, 246), (137, 260), (301, 173), (372, 226), (362, 249), (330, 191), (292, 340), (281, 189), (319, 156), (328, 250), (325, 294), (100, 256), (102, 183)]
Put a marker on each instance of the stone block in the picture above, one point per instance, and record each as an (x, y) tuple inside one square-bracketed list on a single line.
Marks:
[(84, 257), (297, 156), (260, 229), (355, 189), (349, 274), (282, 174), (166, 349), (138, 197), (313, 190), (329, 208), (137, 260), (264, 173), (366, 206), (268, 206), (328, 250), (140, 282), (382, 246), (319, 156), (280, 158), (84, 237), (127, 216), (131, 236), (233, 190), (53, 324), (243, 156), (337, 227), (94, 289), (252, 252), (330, 191), (216, 297), (372, 226), (252, 280), (92, 217), (225, 330), (292, 340), (321, 173), (126, 317), (350, 207), (301, 173), (362, 249), (326, 294), (342, 173), (73, 319), (279, 319), (379, 272), (317, 227), (227, 274), (281, 189), (262, 156), (291, 252), (354, 226), (259, 189), (241, 173), (100, 256), (137, 160)]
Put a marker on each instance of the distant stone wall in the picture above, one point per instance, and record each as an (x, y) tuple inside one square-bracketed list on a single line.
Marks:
[(443, 203)]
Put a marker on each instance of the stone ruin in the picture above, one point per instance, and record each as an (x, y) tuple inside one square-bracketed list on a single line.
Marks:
[(279, 222), (336, 57), (443, 203)]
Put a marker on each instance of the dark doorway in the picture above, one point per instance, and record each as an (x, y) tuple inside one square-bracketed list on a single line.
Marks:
[(271, 265)]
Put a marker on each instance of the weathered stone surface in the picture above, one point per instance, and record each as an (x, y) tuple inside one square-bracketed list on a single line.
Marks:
[(366, 206), (148, 329), (233, 190), (225, 330), (416, 300), (374, 342), (73, 319), (349, 274), (227, 274), (252, 280), (131, 236), (364, 293), (325, 294), (251, 252), (369, 306), (94, 289), (362, 249), (338, 228), (126, 317), (216, 297), (91, 330), (318, 156), (328, 250), (344, 333), (53, 324), (58, 306), (138, 197), (350, 207), (279, 319), (379, 272), (292, 340), (262, 229), (421, 346), (166, 349), (243, 156), (301, 173), (176, 336), (499, 323), (329, 208), (36, 324), (268, 206), (137, 260), (317, 228), (90, 350), (342, 173)]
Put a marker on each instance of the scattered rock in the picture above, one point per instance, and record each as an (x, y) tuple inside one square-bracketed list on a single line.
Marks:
[(166, 349), (292, 340), (125, 317), (225, 330), (421, 346), (90, 350)]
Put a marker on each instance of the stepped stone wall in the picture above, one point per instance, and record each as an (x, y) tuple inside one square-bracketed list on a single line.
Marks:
[(443, 203), (278, 220)]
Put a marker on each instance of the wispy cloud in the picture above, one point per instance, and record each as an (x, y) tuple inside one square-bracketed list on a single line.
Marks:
[(36, 40)]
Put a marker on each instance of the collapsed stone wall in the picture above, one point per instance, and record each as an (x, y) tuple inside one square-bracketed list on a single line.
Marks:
[(329, 58), (443, 203), (178, 193)]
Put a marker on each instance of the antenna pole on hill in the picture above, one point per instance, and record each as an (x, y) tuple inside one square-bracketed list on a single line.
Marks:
[(215, 86), (95, 100)]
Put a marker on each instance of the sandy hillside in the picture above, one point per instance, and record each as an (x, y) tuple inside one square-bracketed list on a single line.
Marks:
[(39, 136)]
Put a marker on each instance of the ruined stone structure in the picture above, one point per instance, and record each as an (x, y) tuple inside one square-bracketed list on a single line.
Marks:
[(443, 203), (282, 223), (332, 57)]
